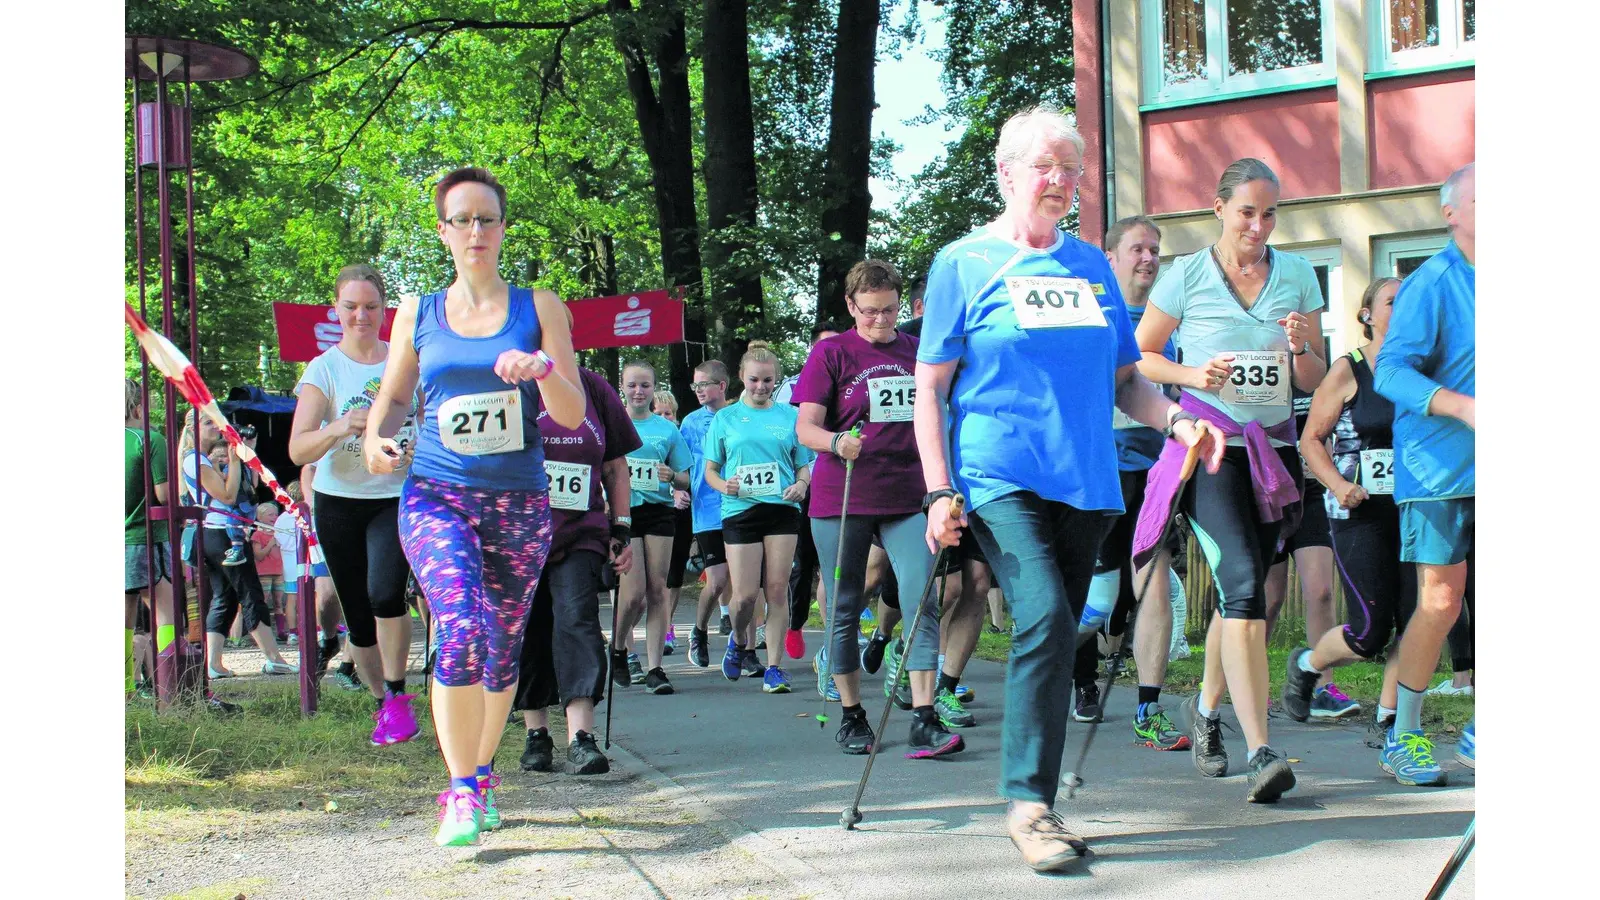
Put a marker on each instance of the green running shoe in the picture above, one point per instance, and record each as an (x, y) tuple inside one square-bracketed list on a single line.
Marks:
[(1153, 729), (458, 819), (950, 711), (891, 667), (491, 811)]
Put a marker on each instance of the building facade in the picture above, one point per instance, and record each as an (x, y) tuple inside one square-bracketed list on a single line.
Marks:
[(1362, 107)]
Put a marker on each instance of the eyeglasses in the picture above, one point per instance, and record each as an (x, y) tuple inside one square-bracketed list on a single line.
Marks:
[(888, 312), (702, 385), (1044, 169), (464, 222)]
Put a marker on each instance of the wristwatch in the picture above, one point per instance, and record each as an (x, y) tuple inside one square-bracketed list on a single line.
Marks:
[(1179, 416), (934, 496), (1304, 349)]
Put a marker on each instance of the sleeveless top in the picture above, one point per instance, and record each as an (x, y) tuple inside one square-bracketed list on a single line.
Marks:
[(478, 431), (1365, 423)]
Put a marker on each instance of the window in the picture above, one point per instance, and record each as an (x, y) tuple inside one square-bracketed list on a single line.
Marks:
[(1327, 262), (1400, 256), (1197, 49), (1412, 34)]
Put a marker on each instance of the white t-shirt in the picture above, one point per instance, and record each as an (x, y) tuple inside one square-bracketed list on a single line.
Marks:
[(348, 385), (287, 534)]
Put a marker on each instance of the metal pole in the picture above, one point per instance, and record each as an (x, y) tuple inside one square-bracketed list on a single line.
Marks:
[(306, 598)]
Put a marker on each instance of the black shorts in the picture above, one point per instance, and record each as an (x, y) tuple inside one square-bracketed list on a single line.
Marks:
[(1313, 530), (682, 537), (711, 549), (654, 519), (761, 521)]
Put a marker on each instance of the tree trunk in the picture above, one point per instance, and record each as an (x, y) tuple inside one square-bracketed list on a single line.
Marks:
[(655, 33), (730, 176), (849, 203)]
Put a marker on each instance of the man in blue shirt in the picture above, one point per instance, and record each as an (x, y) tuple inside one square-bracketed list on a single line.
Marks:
[(711, 389), (1428, 368)]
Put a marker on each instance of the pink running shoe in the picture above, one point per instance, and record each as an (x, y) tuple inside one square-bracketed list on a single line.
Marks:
[(395, 723)]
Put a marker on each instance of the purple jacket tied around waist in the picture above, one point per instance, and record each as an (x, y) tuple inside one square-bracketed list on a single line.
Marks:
[(1277, 495)]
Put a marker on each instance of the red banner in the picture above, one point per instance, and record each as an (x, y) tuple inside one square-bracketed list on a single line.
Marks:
[(627, 320), (305, 331)]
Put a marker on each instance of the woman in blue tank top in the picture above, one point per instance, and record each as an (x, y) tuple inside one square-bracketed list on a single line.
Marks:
[(475, 511)]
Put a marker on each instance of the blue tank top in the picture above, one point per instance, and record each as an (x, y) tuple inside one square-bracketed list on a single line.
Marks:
[(477, 430)]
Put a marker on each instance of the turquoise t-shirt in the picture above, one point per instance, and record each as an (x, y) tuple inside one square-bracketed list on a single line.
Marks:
[(1039, 335), (1212, 322), (662, 443), (761, 445)]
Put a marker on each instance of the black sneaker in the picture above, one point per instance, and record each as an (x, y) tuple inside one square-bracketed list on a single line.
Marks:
[(538, 754), (929, 738), (347, 678), (855, 735), (699, 654), (655, 681), (752, 666), (619, 668), (872, 659), (222, 707), (1270, 777), (902, 696), (584, 756), (1205, 738), (327, 649), (1298, 686), (1377, 731), (1087, 705), (725, 627)]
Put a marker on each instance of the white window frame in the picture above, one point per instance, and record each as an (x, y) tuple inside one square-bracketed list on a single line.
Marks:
[(1387, 251), (1451, 49), (1333, 320), (1218, 85)]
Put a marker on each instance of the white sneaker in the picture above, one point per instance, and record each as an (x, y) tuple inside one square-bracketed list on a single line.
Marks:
[(1447, 689), (1178, 651)]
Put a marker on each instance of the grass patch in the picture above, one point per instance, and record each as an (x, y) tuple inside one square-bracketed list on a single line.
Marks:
[(225, 890)]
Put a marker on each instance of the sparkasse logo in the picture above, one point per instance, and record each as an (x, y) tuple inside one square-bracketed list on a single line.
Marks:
[(634, 322)]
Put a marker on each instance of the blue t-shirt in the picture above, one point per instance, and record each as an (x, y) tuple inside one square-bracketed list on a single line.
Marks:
[(1138, 445), (1431, 344), (1212, 322), (1030, 403), (761, 445), (707, 505), (661, 444), (482, 417)]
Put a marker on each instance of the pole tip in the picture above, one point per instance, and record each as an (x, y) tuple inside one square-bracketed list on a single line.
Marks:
[(850, 818)]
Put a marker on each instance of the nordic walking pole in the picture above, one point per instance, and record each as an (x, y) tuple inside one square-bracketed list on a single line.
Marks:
[(1457, 860), (1073, 779), (852, 815), (611, 656), (833, 596)]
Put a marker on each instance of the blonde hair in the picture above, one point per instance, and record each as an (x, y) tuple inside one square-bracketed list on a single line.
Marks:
[(638, 364), (760, 352), (665, 398)]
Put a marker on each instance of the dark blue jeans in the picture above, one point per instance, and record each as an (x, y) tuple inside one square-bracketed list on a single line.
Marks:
[(1042, 554)]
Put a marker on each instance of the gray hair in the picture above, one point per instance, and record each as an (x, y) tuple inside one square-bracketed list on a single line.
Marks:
[(1022, 129), (1450, 191), (1240, 173)]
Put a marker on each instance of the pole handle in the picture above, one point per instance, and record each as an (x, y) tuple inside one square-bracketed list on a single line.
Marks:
[(1191, 459)]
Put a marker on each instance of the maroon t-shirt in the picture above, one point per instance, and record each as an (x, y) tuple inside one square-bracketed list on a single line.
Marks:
[(858, 381), (572, 460)]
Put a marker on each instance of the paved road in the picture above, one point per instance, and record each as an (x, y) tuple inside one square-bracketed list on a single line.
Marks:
[(934, 828)]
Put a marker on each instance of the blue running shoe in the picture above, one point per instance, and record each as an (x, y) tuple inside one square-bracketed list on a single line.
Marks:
[(1331, 703), (1408, 756), (775, 681), (731, 660), (867, 616), (1467, 747), (825, 687)]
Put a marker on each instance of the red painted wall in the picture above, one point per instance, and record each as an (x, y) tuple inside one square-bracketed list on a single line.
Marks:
[(1420, 127), (1086, 81), (1185, 150)]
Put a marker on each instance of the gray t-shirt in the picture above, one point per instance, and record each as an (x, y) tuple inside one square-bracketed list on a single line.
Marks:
[(1211, 321)]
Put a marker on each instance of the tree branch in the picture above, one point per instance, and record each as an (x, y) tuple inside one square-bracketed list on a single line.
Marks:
[(378, 107)]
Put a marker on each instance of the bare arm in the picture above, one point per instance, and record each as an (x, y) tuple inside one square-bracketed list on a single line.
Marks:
[(561, 390), (400, 374), (808, 428), (1155, 329), (309, 439), (224, 490), (933, 391), (614, 478), (1142, 401), (1326, 404), (1309, 367)]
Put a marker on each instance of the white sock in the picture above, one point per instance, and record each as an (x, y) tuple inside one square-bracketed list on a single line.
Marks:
[(724, 610), (1385, 712), (1305, 664), (1206, 713)]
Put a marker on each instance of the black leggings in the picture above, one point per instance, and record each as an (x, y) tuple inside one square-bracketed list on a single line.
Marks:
[(361, 540), (1221, 509), (1380, 590), (1116, 550), (563, 650), (1462, 633), (804, 573), (682, 537), (232, 587)]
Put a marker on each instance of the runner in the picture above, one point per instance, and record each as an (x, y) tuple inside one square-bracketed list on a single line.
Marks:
[(1429, 371), (1027, 342), (475, 510), (1364, 520), (755, 440), (864, 378), (564, 651), (666, 406), (662, 459), (1252, 316), (356, 513), (1133, 248), (805, 575), (711, 390), (1311, 546)]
